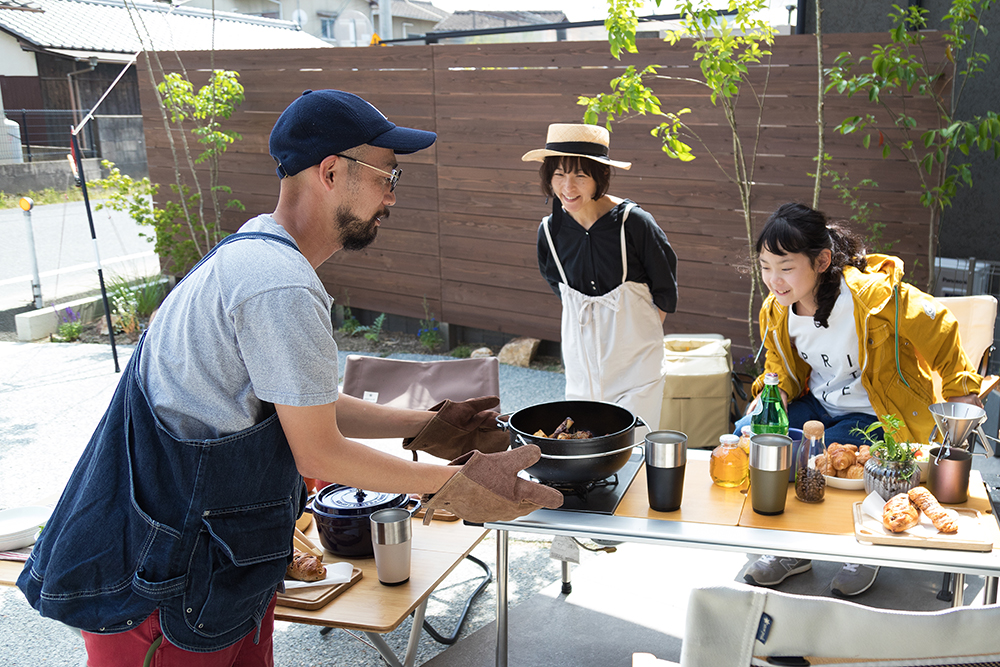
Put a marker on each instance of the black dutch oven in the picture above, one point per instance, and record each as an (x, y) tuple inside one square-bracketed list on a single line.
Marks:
[(342, 517), (575, 461)]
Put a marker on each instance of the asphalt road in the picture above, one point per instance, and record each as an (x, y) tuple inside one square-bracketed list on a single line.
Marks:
[(67, 264)]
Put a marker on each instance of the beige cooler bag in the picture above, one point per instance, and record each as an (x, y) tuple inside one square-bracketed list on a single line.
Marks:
[(698, 387)]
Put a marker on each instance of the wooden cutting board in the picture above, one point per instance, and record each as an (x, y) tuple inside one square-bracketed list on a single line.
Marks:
[(317, 596), (972, 536)]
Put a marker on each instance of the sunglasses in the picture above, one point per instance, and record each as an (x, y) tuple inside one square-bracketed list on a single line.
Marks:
[(393, 175)]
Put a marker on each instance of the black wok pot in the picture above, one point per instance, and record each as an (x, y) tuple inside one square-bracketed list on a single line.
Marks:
[(576, 461), (343, 514)]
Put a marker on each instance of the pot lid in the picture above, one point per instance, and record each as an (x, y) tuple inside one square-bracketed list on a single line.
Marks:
[(348, 500)]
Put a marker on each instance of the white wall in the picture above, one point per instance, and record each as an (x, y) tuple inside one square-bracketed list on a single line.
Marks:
[(14, 61)]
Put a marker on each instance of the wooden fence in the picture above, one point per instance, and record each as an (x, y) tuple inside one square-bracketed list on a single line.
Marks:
[(462, 234)]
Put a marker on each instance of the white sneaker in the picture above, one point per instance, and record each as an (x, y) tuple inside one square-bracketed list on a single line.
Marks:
[(770, 570), (854, 579)]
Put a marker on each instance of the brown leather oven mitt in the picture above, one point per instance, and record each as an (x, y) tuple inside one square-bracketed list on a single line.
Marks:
[(487, 488), (458, 428)]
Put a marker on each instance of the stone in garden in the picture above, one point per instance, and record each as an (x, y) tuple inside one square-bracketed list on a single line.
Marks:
[(519, 352), (481, 353)]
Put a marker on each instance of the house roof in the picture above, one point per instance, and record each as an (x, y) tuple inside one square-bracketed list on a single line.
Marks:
[(108, 26), (481, 20), (417, 10)]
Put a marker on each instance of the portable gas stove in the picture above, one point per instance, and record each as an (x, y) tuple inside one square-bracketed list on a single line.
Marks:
[(601, 496)]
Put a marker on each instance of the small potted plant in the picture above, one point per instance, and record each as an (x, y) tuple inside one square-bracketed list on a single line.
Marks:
[(893, 467)]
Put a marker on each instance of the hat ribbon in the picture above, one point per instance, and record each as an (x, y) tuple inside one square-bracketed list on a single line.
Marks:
[(581, 147)]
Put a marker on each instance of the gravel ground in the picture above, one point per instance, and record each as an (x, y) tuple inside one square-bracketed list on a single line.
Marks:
[(51, 397)]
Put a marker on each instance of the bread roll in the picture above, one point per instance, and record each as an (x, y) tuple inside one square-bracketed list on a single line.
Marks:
[(929, 505), (305, 567), (900, 514), (842, 458)]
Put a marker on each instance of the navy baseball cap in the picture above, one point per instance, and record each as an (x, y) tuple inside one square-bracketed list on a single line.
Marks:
[(321, 123)]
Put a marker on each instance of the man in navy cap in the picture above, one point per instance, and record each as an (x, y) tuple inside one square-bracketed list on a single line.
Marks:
[(175, 529)]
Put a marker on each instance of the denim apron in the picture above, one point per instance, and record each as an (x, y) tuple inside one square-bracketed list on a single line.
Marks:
[(201, 529), (612, 344)]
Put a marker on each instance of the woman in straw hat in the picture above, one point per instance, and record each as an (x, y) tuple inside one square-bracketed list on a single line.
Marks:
[(613, 269)]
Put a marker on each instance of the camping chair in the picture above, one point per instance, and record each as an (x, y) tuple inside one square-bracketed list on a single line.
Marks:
[(976, 317), (419, 385), (739, 626)]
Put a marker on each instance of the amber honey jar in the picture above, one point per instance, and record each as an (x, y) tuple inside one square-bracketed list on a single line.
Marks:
[(729, 465)]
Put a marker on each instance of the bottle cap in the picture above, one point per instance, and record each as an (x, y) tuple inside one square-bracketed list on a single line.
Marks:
[(813, 429), (770, 378), (748, 430), (729, 439)]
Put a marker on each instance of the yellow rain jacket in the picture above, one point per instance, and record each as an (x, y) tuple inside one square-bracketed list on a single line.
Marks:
[(902, 334)]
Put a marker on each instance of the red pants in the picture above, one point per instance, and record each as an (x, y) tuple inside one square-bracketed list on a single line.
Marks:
[(130, 648)]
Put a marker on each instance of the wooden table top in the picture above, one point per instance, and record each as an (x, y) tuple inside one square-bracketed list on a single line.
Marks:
[(704, 502), (368, 606)]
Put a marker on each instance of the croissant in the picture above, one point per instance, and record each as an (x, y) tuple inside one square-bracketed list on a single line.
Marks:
[(864, 454), (856, 471), (842, 458), (900, 514), (929, 505), (305, 567), (823, 466)]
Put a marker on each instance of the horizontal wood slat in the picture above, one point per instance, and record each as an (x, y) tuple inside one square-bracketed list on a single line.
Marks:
[(463, 232)]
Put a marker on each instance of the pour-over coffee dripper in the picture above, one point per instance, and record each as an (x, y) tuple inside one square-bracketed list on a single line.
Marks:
[(955, 422)]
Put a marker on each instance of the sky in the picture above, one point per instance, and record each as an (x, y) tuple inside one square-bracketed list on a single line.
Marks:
[(588, 10)]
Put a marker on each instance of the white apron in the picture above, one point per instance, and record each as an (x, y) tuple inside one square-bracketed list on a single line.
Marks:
[(612, 344)]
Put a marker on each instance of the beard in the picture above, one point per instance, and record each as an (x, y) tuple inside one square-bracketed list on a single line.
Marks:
[(356, 233)]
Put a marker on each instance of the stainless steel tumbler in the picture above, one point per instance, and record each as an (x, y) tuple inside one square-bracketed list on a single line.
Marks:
[(666, 459), (770, 462)]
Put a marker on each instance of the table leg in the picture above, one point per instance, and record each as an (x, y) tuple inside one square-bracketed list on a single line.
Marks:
[(958, 595), (384, 649), (502, 544), (990, 591), (411, 646)]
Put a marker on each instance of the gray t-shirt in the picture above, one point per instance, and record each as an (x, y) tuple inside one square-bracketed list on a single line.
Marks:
[(251, 325)]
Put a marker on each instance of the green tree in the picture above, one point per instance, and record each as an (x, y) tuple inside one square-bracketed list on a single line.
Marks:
[(726, 47), (905, 67)]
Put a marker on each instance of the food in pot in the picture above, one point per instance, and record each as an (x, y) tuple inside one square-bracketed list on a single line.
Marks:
[(305, 567), (900, 514), (564, 432), (929, 505)]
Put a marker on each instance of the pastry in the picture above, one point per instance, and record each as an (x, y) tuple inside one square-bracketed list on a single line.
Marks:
[(864, 454), (823, 465), (305, 567), (900, 514), (929, 505), (856, 471), (841, 457)]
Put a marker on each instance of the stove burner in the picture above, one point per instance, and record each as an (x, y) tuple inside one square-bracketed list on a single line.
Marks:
[(582, 489)]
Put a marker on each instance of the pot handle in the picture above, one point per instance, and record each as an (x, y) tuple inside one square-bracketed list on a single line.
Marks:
[(503, 422), (574, 457), (416, 506)]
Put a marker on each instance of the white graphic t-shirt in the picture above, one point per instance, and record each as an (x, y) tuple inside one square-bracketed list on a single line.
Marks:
[(832, 353)]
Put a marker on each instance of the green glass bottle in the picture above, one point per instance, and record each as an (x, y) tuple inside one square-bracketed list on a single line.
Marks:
[(769, 416)]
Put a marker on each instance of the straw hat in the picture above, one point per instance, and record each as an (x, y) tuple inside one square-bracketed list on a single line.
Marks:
[(589, 141)]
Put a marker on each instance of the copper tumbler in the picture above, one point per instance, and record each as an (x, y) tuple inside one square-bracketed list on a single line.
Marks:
[(948, 475)]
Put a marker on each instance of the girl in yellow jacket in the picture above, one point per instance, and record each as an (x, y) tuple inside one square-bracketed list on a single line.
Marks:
[(850, 342)]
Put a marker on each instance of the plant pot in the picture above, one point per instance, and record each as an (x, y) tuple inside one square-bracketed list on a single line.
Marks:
[(889, 478)]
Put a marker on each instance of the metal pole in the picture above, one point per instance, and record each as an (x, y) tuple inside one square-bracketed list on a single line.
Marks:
[(27, 137), (502, 565), (26, 205), (82, 182)]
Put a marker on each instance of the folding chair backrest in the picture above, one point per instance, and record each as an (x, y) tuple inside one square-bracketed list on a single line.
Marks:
[(420, 385), (740, 626), (976, 317)]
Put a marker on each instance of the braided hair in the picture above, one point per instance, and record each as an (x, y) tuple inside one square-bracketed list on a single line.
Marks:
[(796, 228)]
